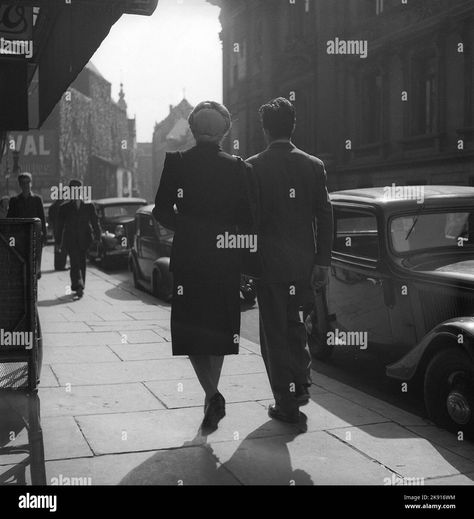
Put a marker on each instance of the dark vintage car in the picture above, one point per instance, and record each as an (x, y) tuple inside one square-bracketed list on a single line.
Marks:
[(49, 224), (117, 221), (149, 259), (402, 277)]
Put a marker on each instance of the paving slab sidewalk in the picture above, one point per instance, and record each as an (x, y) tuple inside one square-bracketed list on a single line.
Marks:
[(118, 408)]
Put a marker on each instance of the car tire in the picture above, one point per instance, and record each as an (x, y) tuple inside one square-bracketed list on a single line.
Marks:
[(136, 283), (318, 347), (105, 261), (161, 288), (448, 390)]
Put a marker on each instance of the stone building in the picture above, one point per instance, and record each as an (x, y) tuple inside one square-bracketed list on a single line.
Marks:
[(383, 88), (171, 134), (87, 136), (145, 182)]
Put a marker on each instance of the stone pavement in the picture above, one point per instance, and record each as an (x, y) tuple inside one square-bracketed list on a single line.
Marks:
[(117, 408)]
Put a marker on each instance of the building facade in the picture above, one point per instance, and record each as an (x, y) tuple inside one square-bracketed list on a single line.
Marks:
[(383, 88), (145, 182), (171, 134), (87, 136)]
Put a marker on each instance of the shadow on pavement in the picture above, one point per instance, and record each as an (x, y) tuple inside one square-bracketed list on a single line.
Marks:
[(21, 439), (196, 463)]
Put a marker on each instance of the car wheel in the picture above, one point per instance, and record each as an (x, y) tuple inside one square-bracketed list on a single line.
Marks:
[(161, 287), (317, 343), (136, 283), (249, 297), (105, 261), (448, 391)]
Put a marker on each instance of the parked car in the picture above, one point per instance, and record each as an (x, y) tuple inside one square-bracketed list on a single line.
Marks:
[(402, 271), (149, 259), (117, 221), (149, 256), (49, 226)]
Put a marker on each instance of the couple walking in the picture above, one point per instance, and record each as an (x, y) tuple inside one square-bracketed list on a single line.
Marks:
[(279, 194)]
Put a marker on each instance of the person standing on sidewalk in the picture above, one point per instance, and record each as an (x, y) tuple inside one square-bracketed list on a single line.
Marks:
[(293, 204), (29, 205), (202, 197), (60, 256), (77, 226)]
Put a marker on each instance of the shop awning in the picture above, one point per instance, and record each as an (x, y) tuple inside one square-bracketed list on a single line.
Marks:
[(65, 36)]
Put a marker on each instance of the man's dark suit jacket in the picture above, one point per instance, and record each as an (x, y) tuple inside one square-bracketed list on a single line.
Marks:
[(292, 193), (207, 187), (77, 227), (28, 207)]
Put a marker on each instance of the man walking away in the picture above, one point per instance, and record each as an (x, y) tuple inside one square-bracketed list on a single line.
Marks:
[(29, 205), (60, 256), (77, 223), (294, 204)]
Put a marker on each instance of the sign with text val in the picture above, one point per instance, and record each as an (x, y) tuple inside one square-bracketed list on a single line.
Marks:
[(16, 22)]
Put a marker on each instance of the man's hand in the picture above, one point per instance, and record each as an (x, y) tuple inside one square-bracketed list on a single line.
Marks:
[(319, 277)]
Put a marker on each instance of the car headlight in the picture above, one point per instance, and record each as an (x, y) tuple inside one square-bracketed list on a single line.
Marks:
[(119, 231)]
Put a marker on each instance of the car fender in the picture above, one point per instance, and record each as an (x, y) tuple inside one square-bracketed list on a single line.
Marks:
[(408, 366), (163, 265)]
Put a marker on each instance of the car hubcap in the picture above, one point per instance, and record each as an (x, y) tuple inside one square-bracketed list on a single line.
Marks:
[(459, 408)]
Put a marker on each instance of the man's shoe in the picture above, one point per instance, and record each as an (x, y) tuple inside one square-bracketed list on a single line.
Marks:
[(302, 394), (79, 293), (295, 417), (215, 411)]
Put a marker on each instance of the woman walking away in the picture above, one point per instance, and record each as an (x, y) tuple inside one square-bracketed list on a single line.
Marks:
[(202, 197)]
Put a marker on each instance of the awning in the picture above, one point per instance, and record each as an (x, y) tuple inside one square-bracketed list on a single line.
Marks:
[(65, 36)]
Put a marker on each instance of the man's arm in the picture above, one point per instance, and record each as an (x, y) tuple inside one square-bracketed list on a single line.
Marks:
[(324, 227), (12, 209), (324, 219), (166, 195), (59, 229), (41, 216)]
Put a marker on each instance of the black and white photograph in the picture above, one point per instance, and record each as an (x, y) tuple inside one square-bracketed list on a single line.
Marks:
[(237, 249)]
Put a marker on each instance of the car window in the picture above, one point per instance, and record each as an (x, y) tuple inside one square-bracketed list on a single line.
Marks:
[(356, 233), (112, 211), (432, 230), (147, 226)]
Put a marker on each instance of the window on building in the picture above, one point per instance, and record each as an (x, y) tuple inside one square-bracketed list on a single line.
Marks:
[(425, 112), (379, 5), (371, 108)]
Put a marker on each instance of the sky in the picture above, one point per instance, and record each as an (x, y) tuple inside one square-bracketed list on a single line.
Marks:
[(157, 58)]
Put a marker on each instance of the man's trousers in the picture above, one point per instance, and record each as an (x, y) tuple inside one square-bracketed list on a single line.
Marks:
[(283, 340)]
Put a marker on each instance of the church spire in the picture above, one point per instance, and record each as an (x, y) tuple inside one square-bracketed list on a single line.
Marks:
[(121, 102)]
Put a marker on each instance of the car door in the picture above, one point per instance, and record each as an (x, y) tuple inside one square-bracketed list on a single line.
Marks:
[(356, 292), (149, 245)]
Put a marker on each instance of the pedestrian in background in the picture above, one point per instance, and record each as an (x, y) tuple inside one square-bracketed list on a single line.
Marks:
[(60, 256), (294, 206), (202, 197), (4, 202), (77, 226), (29, 205)]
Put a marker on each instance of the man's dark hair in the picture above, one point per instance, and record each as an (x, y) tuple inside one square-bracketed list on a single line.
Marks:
[(75, 182), (278, 118)]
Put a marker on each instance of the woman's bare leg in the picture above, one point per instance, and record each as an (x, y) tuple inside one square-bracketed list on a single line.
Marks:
[(203, 367)]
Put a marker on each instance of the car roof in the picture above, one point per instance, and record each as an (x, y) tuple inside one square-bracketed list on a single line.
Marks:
[(118, 201), (433, 196)]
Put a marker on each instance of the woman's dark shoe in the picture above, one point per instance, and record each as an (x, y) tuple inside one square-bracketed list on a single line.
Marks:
[(214, 412)]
